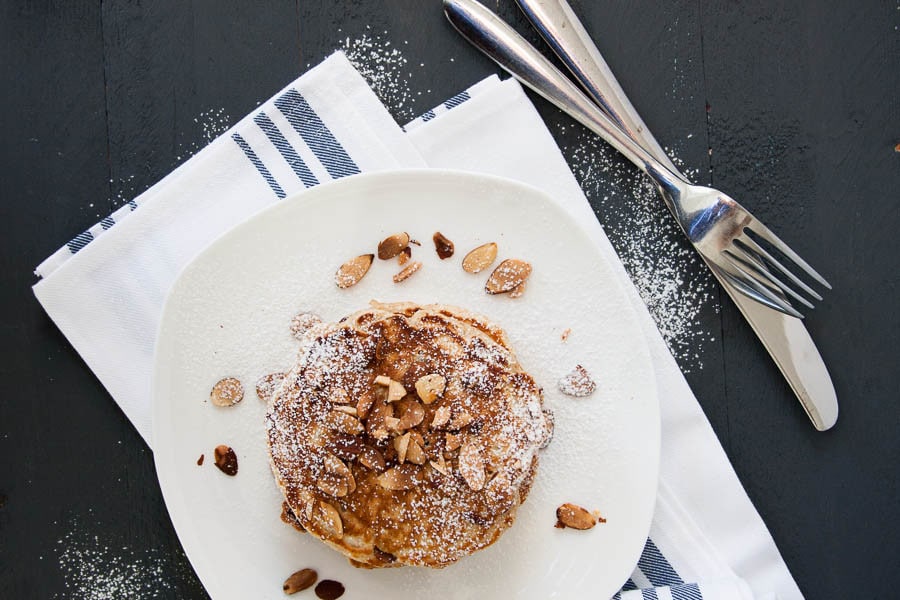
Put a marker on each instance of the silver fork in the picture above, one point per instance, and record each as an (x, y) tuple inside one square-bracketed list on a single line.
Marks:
[(732, 240)]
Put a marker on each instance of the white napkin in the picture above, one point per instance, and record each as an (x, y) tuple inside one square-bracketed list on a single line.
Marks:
[(105, 289)]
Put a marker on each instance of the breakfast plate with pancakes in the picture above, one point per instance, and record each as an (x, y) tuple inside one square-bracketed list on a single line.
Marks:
[(349, 464)]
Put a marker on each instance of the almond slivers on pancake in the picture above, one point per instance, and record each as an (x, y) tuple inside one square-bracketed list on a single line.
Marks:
[(391, 478)]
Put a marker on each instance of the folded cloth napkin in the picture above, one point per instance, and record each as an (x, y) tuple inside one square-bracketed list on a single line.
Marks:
[(105, 289)]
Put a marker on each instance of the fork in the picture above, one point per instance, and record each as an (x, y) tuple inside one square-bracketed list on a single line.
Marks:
[(734, 243)]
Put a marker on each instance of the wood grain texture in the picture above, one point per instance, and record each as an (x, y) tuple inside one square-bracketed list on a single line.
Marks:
[(790, 107)]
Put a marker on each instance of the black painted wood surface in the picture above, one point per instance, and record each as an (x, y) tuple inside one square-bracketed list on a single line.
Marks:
[(792, 107)]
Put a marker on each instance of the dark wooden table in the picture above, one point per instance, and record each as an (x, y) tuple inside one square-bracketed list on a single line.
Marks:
[(792, 107)]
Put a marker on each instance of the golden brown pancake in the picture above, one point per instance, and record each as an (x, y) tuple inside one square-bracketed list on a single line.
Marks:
[(390, 480)]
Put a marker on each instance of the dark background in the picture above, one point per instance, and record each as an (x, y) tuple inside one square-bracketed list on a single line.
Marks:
[(793, 109)]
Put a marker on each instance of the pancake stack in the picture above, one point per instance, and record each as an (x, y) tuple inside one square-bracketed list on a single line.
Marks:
[(406, 435)]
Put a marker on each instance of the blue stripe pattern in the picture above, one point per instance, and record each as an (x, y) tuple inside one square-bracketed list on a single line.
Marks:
[(690, 591), (317, 136), (251, 155), (107, 222), (133, 204), (80, 241), (649, 594), (287, 151), (655, 566), (629, 585), (427, 116), (457, 99)]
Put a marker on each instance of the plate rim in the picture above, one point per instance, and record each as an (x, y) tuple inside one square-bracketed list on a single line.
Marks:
[(167, 488)]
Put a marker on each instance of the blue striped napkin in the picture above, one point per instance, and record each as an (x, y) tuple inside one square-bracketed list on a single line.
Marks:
[(105, 289)]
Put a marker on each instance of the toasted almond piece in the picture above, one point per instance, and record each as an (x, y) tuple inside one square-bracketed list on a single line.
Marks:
[(407, 271), (349, 410), (441, 417), (227, 392), (339, 396), (371, 459), (404, 256), (461, 420), (396, 391), (414, 453), (430, 387), (336, 466), (442, 245), (517, 291), (383, 380), (350, 273), (392, 245), (299, 581), (572, 515), (471, 465), (508, 275), (267, 385), (333, 485), (480, 258), (345, 446), (392, 423), (226, 459), (439, 465), (401, 444), (395, 479), (330, 519), (364, 404), (412, 416), (339, 421), (577, 383), (452, 441)]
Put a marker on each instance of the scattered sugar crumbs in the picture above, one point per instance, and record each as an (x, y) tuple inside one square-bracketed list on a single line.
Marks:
[(94, 568), (657, 257), (384, 66)]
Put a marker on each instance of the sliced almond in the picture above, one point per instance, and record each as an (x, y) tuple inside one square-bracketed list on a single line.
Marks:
[(350, 273), (439, 465), (452, 441), (577, 383), (392, 245), (480, 258), (574, 516), (392, 423), (267, 385), (371, 459), (396, 391), (401, 444), (299, 581), (430, 387), (226, 459), (508, 275), (364, 404), (339, 421), (396, 479), (302, 323), (441, 417), (333, 485), (227, 392), (383, 380), (412, 416), (347, 410), (471, 465), (414, 453), (442, 245), (461, 420), (407, 271), (336, 466), (328, 517)]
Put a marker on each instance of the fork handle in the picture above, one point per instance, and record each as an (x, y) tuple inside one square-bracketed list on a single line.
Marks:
[(500, 42), (564, 33)]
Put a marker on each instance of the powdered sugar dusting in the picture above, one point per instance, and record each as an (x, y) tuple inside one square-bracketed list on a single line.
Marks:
[(387, 70), (97, 569), (656, 255)]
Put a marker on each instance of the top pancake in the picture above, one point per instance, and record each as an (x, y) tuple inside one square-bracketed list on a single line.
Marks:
[(389, 485)]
